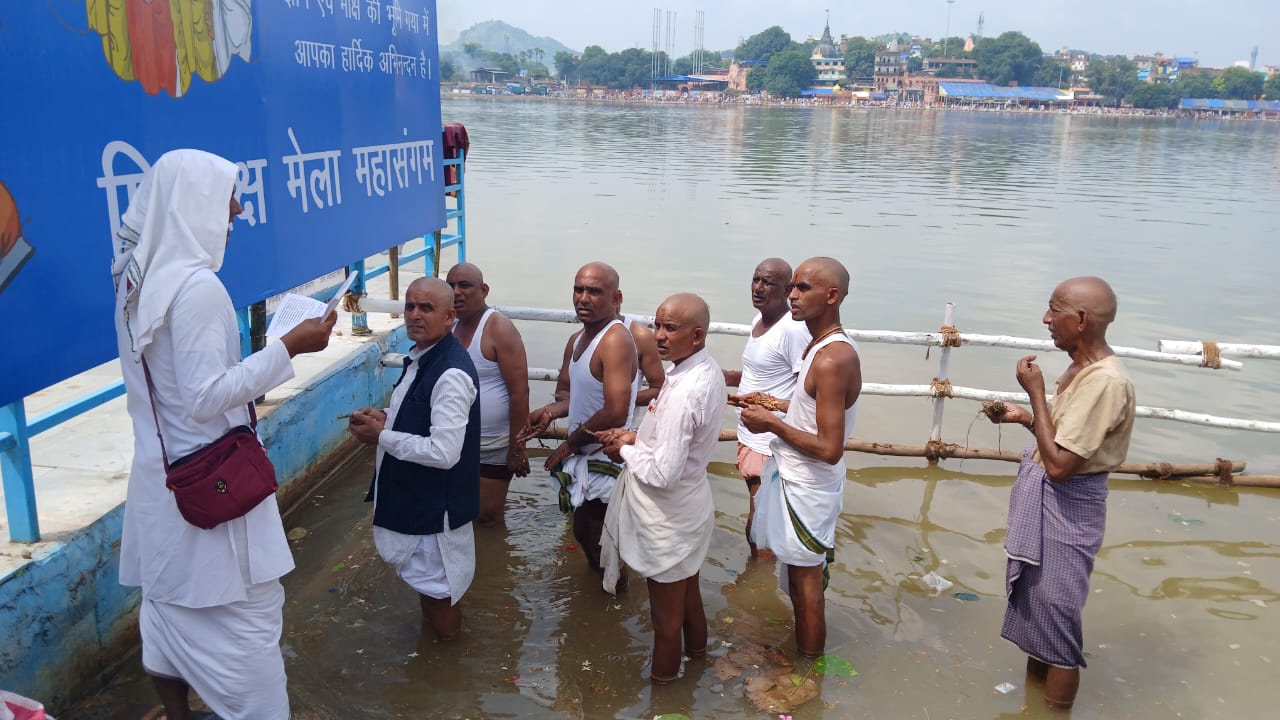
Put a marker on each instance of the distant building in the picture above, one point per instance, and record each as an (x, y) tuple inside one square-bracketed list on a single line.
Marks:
[(1158, 69), (951, 67), (827, 61), (890, 69)]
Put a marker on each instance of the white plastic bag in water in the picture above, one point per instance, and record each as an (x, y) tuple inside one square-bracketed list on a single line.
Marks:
[(935, 583)]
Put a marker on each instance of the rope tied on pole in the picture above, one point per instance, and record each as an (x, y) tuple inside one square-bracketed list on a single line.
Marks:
[(942, 388), (1212, 355), (936, 450), (1223, 472), (950, 336), (1159, 471)]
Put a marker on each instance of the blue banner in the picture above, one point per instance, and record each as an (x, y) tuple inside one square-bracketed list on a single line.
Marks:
[(330, 107)]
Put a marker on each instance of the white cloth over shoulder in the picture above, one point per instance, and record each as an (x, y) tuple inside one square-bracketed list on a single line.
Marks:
[(661, 514)]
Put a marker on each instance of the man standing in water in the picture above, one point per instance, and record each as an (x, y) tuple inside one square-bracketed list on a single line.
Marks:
[(802, 485), (600, 367), (1058, 506), (661, 514), (497, 350), (426, 489), (770, 362)]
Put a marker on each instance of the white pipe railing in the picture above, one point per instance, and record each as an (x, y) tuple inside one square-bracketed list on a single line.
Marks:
[(396, 360), (891, 337), (1245, 350)]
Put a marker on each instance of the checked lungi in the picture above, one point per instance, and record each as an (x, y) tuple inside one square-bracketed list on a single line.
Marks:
[(1054, 532)]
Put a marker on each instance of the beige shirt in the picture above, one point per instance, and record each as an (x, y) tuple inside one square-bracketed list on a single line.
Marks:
[(1093, 417)]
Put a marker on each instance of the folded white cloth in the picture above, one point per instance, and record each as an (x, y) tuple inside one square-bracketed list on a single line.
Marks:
[(661, 533), (817, 508), (439, 565), (577, 479)]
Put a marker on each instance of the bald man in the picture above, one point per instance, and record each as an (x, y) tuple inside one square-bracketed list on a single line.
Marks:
[(596, 391), (497, 350), (426, 489), (1058, 505), (661, 514), (770, 364), (802, 485)]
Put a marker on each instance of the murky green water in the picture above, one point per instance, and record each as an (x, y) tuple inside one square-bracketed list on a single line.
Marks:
[(987, 211)]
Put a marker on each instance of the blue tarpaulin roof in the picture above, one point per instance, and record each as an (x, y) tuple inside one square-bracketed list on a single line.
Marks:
[(1215, 104), (816, 91), (987, 91)]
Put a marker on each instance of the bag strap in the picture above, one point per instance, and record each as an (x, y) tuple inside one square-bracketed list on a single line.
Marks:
[(151, 395)]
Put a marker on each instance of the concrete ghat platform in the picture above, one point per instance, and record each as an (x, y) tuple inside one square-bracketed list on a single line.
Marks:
[(63, 614)]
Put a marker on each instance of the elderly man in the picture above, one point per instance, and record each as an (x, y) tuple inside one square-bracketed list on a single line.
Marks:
[(802, 488), (661, 513), (426, 488), (1058, 506), (770, 362), (596, 391), (497, 350), (211, 599)]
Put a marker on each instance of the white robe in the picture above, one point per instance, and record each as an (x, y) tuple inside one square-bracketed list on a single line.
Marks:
[(661, 514)]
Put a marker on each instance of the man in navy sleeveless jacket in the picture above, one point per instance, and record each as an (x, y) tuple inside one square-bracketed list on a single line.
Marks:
[(426, 488)]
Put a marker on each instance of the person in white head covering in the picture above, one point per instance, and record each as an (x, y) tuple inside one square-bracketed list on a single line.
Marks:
[(211, 599)]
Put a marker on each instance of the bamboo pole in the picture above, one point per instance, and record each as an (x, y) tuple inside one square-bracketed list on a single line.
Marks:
[(891, 337), (1197, 473), (944, 366), (1196, 347)]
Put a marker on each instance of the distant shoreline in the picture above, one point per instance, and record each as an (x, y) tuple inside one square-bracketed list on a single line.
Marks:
[(808, 104)]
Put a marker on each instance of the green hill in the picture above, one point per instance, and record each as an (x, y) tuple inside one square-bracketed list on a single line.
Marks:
[(497, 36)]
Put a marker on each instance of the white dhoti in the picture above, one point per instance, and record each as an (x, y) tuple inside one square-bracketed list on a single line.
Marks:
[(661, 535), (229, 654), (584, 477), (797, 522), (441, 565)]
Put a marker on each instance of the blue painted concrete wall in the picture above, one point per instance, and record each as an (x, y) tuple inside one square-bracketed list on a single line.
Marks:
[(64, 617)]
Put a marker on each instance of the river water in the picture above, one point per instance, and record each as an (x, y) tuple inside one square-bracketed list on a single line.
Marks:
[(988, 211)]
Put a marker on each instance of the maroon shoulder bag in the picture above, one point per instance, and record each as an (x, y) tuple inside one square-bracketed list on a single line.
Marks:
[(222, 480)]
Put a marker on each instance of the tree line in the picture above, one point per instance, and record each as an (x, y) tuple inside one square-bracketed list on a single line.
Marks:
[(785, 69)]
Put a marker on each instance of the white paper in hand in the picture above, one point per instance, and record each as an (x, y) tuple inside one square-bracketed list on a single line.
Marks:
[(296, 308), (293, 310), (337, 297)]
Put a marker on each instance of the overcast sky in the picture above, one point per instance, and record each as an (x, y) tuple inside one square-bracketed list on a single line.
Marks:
[(1219, 32)]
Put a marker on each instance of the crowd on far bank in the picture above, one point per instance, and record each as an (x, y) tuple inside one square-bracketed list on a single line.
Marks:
[(636, 96)]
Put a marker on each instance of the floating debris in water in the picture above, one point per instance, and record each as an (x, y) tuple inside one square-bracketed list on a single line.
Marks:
[(965, 596), (297, 533), (833, 665), (339, 567), (780, 691), (936, 583), (671, 716), (1190, 522), (1005, 688)]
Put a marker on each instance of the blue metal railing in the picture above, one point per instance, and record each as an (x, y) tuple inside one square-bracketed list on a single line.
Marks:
[(16, 429)]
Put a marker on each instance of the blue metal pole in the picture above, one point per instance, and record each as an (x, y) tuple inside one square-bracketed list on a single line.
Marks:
[(462, 208), (19, 481), (246, 332), (359, 321)]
